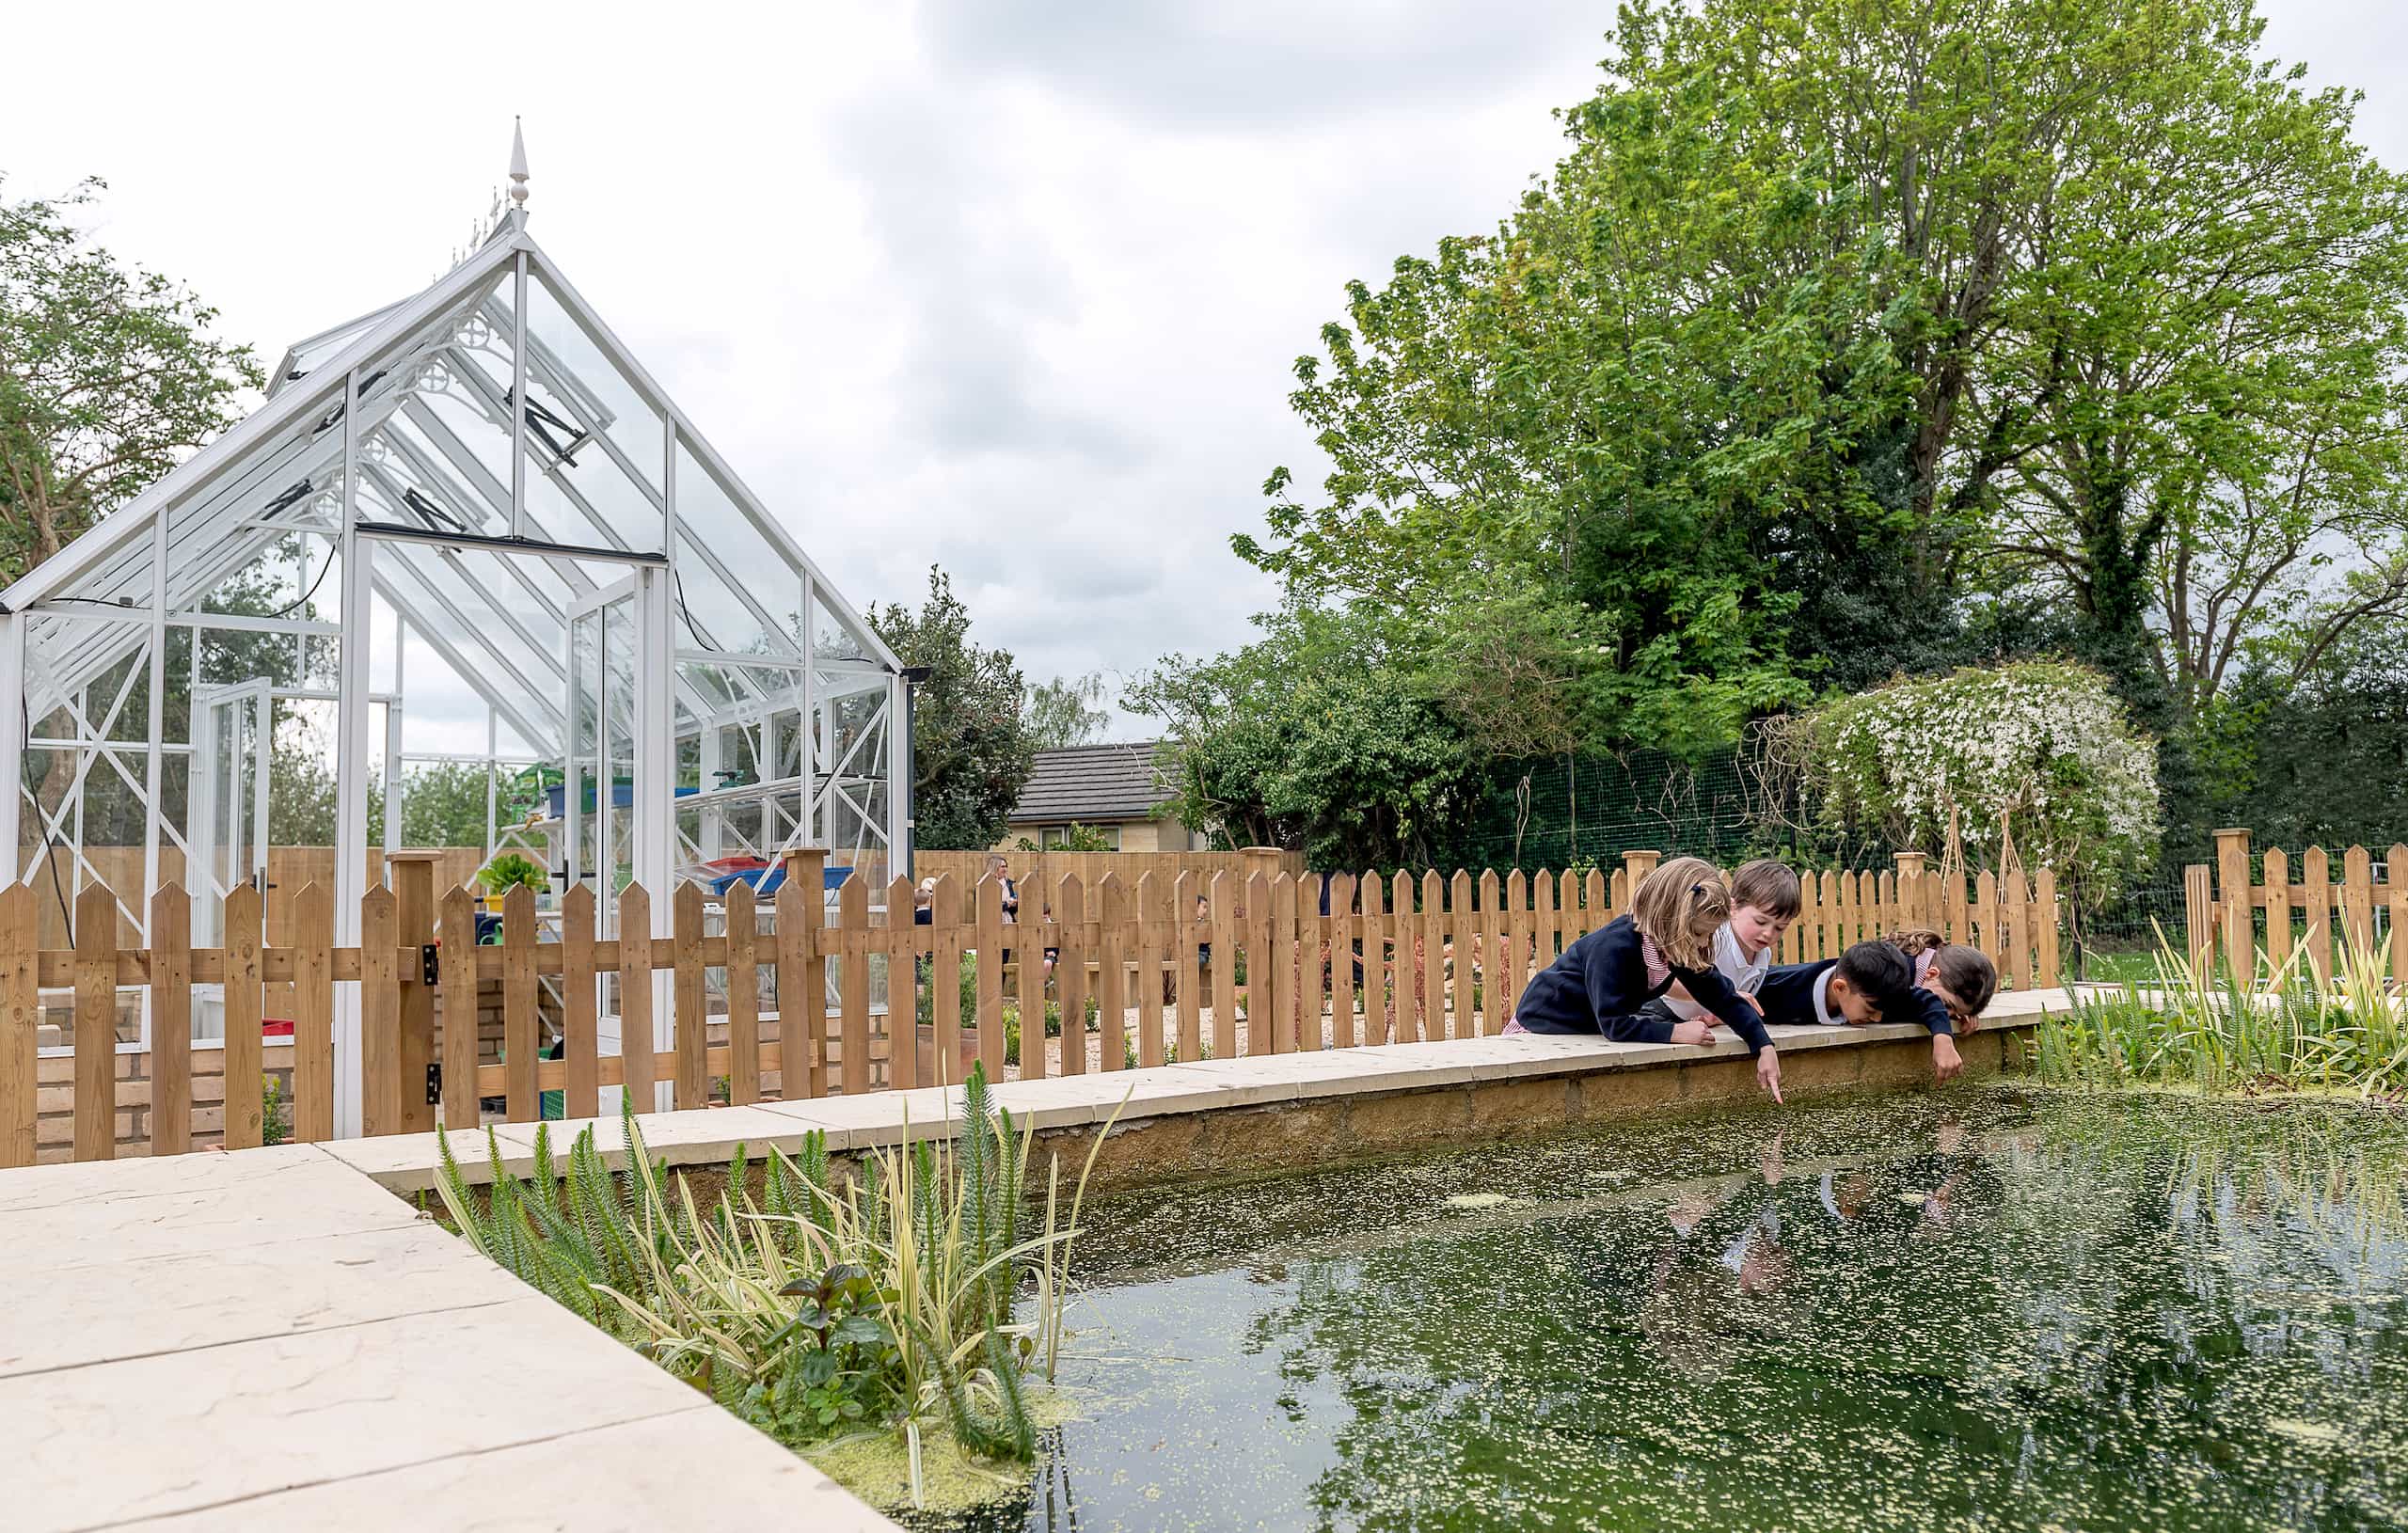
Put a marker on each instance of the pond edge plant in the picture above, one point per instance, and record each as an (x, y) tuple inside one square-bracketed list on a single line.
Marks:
[(921, 1293)]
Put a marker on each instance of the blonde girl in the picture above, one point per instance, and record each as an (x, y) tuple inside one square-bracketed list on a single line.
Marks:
[(1601, 983)]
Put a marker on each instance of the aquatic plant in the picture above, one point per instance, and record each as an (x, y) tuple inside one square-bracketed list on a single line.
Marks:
[(2278, 1026), (917, 1296)]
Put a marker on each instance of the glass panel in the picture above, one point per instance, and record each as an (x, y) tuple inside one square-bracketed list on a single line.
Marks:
[(593, 447), (585, 735), (486, 652), (570, 366), (832, 633), (737, 591), (618, 726), (310, 355), (287, 575)]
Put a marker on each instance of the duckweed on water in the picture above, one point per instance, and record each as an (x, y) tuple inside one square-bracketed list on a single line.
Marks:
[(2000, 1308)]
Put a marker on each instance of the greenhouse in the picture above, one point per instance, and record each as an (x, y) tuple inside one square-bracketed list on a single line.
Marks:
[(466, 541)]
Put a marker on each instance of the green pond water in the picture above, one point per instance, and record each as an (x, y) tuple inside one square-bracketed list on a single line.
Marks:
[(1994, 1308)]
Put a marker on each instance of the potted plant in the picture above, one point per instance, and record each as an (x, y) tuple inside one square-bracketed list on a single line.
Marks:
[(507, 872)]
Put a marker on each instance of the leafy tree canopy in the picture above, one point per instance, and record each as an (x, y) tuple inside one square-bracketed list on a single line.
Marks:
[(108, 376), (972, 749), (1850, 339), (1068, 710)]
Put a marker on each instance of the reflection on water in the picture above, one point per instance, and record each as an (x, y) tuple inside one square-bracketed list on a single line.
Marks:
[(1996, 1309)]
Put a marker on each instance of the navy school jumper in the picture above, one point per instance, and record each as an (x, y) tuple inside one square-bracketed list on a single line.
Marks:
[(1599, 986), (1788, 997)]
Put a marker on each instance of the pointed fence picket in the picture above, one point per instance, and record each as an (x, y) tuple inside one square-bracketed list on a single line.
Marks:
[(2231, 921), (747, 1000)]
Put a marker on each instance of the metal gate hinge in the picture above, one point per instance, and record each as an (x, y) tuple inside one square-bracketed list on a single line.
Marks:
[(434, 1085), (430, 966)]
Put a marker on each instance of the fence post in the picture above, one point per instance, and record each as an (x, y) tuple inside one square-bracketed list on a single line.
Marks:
[(2232, 899), (1638, 866), (581, 1007), (413, 877), (2050, 961), (171, 1027), (743, 997), (852, 979), (2357, 906), (243, 922), (1258, 859), (2277, 891), (1910, 891), (2199, 918), (900, 938), (96, 1025), (688, 1016), (803, 1018), (2316, 888), (20, 1023), (461, 1113), (380, 1069), (2395, 875), (639, 1041), (944, 979), (313, 1012)]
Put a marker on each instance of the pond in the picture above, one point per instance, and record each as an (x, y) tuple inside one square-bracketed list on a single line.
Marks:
[(1998, 1307)]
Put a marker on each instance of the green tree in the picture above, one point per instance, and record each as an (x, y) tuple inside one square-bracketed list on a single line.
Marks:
[(2213, 325), (1068, 710), (1833, 311), (1310, 739), (108, 376), (972, 751)]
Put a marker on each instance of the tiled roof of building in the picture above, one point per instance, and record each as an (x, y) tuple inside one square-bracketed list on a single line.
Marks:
[(1092, 784)]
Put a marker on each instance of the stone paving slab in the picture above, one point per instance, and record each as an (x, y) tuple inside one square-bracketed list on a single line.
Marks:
[(687, 1138), (222, 1205), (408, 1163), (71, 1315), (877, 1120), (695, 1468), (190, 1430), (82, 1181)]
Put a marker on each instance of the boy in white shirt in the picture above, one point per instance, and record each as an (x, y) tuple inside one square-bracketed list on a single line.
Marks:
[(1764, 900)]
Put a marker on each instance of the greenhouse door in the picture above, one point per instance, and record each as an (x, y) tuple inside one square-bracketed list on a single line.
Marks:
[(233, 747)]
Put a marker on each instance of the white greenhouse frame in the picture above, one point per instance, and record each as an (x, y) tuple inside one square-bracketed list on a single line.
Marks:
[(546, 552)]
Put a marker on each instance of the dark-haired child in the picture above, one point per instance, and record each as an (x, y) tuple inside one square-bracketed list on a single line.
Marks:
[(1869, 983)]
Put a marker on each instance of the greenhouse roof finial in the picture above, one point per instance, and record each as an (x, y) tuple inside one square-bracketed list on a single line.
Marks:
[(518, 165)]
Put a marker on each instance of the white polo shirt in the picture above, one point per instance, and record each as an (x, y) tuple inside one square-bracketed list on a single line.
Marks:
[(1747, 975)]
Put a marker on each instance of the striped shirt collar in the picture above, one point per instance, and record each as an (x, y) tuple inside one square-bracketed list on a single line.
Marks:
[(1660, 970)]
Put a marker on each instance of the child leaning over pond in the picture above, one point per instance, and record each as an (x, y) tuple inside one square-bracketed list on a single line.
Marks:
[(1963, 978), (1868, 983), (1602, 983), (1765, 898)]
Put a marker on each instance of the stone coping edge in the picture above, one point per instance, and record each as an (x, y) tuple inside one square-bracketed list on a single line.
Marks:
[(409, 1164)]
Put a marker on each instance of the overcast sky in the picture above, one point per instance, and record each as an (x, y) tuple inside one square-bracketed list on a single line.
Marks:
[(1009, 287)]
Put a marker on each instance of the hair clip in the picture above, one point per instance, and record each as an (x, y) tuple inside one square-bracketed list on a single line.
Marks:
[(1698, 888)]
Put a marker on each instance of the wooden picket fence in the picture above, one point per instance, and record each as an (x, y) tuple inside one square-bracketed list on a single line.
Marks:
[(772, 999), (2229, 918)]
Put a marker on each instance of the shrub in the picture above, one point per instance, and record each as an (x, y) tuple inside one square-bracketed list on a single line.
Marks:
[(2275, 1027), (918, 1297), (2046, 744)]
